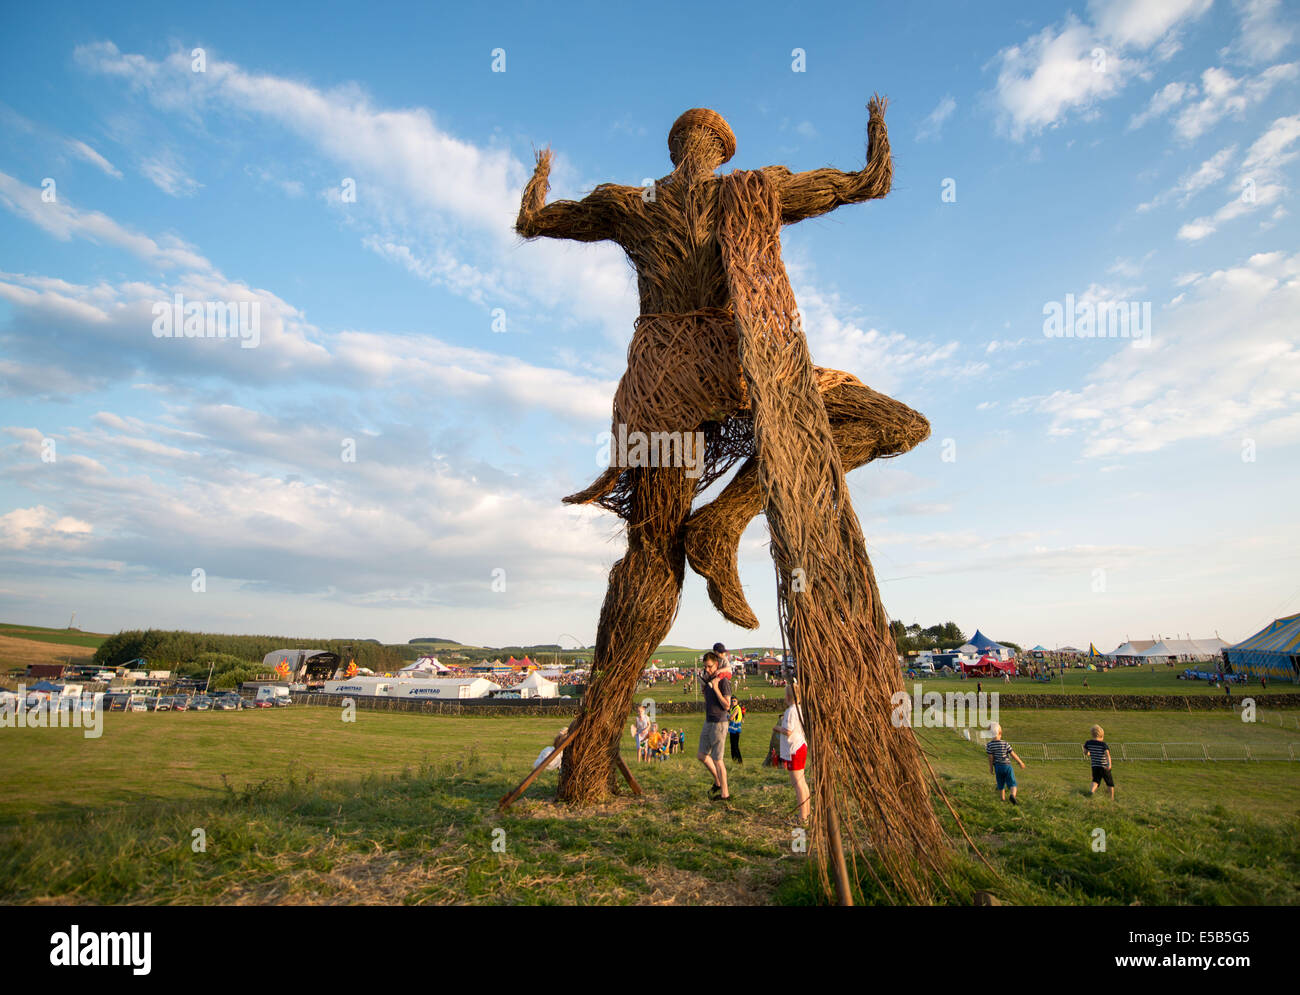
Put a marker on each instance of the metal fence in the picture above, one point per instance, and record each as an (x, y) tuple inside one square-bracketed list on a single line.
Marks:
[(1165, 751)]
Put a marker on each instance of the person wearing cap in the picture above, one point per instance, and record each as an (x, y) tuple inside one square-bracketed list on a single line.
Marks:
[(716, 685)]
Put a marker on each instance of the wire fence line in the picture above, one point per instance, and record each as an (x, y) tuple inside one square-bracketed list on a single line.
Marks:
[(1165, 751)]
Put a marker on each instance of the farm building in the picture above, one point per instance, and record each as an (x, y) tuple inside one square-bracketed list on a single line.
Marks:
[(1272, 652)]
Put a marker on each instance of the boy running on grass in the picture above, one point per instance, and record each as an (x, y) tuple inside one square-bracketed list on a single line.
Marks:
[(1000, 756), (1098, 753)]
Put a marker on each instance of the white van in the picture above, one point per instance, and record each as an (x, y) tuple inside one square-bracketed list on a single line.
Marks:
[(273, 695)]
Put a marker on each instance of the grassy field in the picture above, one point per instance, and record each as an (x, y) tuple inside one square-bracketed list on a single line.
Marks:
[(1126, 681), (298, 806), (18, 652), (66, 637), (1122, 680)]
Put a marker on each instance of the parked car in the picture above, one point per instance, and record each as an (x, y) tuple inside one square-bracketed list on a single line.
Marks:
[(227, 703), (202, 703), (164, 705), (137, 705), (281, 702)]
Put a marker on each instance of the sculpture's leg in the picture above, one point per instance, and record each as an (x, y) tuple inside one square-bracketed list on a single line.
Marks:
[(866, 425), (640, 605)]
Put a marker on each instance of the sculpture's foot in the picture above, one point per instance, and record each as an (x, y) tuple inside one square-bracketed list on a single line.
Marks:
[(712, 545)]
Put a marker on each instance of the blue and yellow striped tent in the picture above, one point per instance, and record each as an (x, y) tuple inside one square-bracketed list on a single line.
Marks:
[(1273, 652)]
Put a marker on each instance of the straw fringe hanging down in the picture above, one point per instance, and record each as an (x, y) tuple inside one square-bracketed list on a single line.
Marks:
[(845, 658), (718, 350)]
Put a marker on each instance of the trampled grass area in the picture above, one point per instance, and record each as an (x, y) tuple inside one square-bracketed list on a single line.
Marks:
[(298, 806)]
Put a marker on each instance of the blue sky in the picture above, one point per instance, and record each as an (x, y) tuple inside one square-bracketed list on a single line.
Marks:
[(1073, 489)]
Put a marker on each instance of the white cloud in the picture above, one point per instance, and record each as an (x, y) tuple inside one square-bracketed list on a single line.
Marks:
[(1211, 171), (1263, 35), (1074, 67), (414, 179), (41, 528), (84, 151), (1162, 101), (1261, 182), (1142, 23), (934, 121), (1208, 373), (1223, 94), (63, 221), (169, 177)]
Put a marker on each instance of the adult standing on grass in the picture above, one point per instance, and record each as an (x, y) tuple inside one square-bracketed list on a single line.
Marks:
[(715, 684), (735, 722), (793, 749), (1000, 756), (1098, 754)]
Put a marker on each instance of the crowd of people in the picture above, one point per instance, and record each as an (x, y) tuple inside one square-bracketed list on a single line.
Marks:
[(724, 723)]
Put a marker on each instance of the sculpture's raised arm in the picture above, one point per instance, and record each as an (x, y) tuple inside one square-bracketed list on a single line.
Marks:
[(594, 218), (807, 195)]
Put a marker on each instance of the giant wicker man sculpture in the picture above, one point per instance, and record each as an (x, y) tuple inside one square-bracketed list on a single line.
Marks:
[(719, 349)]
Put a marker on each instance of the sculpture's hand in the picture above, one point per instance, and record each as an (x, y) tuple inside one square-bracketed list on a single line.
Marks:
[(877, 134), (543, 168), (807, 195), (591, 219)]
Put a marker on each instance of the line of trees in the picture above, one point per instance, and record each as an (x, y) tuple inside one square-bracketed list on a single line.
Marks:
[(947, 635), (171, 648)]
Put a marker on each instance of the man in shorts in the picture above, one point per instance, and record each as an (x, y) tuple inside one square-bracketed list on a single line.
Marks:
[(716, 686), (1098, 754)]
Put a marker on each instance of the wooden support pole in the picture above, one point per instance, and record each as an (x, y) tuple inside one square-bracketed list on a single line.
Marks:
[(512, 797), (631, 781), (842, 889)]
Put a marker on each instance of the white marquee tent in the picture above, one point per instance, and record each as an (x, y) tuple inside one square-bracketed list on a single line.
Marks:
[(536, 686), (1189, 649), (425, 665)]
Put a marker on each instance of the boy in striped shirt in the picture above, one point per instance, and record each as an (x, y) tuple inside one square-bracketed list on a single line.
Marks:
[(1000, 756), (1098, 754)]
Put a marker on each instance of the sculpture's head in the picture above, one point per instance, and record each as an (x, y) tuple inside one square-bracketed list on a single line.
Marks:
[(703, 137)]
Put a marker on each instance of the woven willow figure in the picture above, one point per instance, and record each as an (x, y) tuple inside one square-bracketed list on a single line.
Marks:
[(718, 349)]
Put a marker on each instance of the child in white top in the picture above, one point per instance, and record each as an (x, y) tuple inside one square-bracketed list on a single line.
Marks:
[(794, 749)]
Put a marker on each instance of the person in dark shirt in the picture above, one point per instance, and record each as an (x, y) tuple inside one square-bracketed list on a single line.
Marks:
[(715, 684), (1098, 754)]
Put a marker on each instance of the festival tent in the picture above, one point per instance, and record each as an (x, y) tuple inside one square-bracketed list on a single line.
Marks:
[(1190, 649), (538, 687), (1274, 651), (424, 665), (984, 646), (987, 666)]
